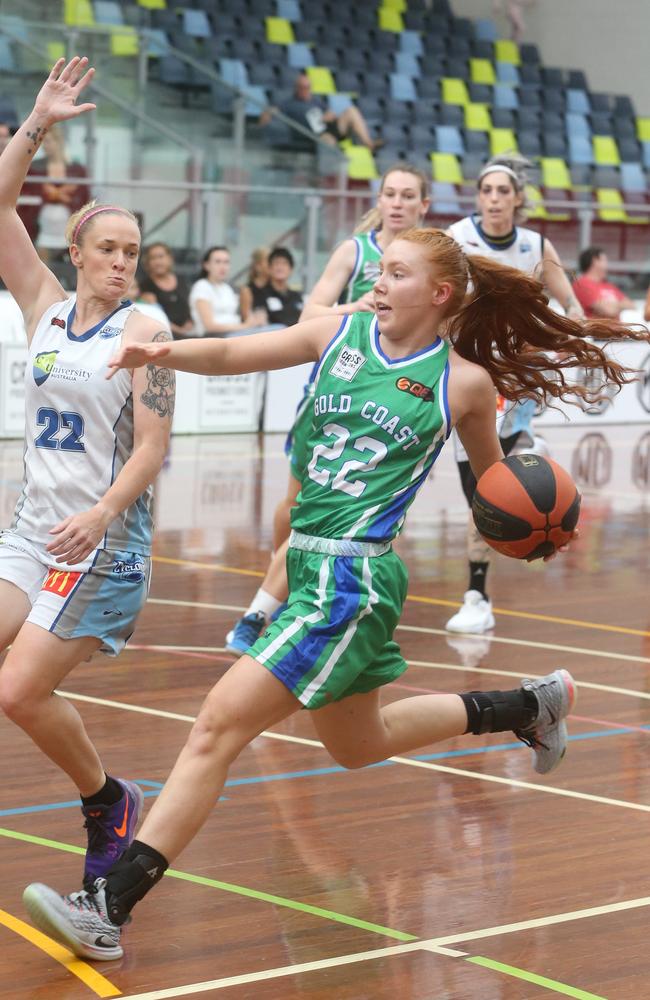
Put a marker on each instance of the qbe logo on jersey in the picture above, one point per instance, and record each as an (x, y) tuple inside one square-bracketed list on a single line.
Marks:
[(348, 363)]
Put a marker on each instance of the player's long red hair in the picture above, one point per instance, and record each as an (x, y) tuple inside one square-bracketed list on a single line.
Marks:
[(499, 318)]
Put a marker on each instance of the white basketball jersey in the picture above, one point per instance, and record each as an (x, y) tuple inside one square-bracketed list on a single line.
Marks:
[(79, 430), (526, 253)]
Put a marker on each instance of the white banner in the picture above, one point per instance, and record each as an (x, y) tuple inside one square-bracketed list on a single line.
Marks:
[(13, 358)]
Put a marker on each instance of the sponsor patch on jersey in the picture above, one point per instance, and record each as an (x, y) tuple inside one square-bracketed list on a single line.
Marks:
[(371, 270), (131, 570), (57, 321), (43, 365), (348, 363), (424, 392), (108, 332), (525, 248), (60, 581)]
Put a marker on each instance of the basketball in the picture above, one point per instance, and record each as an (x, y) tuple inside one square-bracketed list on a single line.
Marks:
[(526, 506)]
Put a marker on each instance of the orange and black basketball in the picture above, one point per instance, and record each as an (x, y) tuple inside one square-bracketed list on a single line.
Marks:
[(526, 506)]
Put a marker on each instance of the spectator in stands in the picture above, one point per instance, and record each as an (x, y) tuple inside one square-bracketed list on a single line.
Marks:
[(164, 286), (46, 222), (6, 132), (281, 304), (308, 110), (258, 276), (646, 310), (214, 304), (596, 295), (515, 13)]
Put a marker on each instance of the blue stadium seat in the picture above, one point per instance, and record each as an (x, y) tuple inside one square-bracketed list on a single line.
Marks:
[(107, 12), (300, 55), (157, 43), (255, 107), (507, 73), (577, 124), (7, 59), (407, 63), (444, 199), (505, 96), (580, 150), (289, 10), (449, 139), (196, 24), (485, 30), (411, 41), (645, 153), (234, 72), (577, 100), (338, 103), (633, 178), (402, 88)]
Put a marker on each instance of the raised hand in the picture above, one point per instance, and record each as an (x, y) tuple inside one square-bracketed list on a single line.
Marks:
[(56, 100), (136, 355)]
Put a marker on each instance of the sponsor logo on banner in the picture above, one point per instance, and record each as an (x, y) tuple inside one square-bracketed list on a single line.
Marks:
[(600, 393), (348, 363), (60, 581), (643, 385), (130, 569), (424, 392), (641, 462), (591, 463)]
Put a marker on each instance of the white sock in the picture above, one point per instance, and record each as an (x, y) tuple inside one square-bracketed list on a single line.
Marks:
[(263, 603)]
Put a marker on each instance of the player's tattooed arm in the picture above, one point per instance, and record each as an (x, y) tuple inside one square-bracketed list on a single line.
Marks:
[(160, 392), (35, 138)]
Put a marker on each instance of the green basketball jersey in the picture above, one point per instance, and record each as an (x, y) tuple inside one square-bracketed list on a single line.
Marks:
[(377, 428), (366, 267)]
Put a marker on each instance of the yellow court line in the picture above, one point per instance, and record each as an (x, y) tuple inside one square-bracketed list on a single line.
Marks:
[(89, 976), (438, 601)]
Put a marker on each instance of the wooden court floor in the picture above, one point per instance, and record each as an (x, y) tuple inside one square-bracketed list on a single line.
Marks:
[(450, 874)]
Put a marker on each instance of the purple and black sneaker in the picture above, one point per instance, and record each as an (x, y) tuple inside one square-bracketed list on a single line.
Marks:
[(110, 831)]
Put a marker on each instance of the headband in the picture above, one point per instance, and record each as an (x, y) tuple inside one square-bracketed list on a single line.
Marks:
[(502, 168), (90, 213)]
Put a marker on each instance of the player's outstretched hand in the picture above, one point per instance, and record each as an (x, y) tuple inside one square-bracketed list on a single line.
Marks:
[(136, 355), (57, 98)]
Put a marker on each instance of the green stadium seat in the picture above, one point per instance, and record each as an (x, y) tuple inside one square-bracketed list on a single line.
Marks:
[(502, 140), (279, 31), (446, 167), (507, 51), (454, 91), (79, 13), (153, 4), (124, 42), (482, 71), (390, 20), (321, 79), (606, 152), (643, 129), (555, 173), (477, 117), (399, 5), (361, 165), (614, 210)]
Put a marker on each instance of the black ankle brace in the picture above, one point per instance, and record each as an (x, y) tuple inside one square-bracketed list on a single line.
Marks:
[(131, 878), (499, 711)]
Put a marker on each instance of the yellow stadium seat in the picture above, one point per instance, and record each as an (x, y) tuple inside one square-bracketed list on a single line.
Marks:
[(279, 31), (55, 50), (502, 140), (614, 211), (445, 167), (361, 166), (390, 19), (507, 51), (153, 4), (124, 42), (477, 117), (454, 91), (399, 5), (555, 172), (482, 71), (321, 79), (643, 129), (79, 13), (606, 152), (536, 208)]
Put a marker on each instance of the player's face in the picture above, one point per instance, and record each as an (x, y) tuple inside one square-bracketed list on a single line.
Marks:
[(159, 262), (406, 289), (108, 255), (400, 201), (217, 266), (497, 201)]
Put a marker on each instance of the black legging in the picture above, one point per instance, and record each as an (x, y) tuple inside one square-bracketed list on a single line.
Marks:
[(467, 477)]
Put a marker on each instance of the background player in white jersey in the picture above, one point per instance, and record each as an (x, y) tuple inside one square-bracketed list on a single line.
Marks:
[(74, 566), (496, 232), (345, 287), (372, 445)]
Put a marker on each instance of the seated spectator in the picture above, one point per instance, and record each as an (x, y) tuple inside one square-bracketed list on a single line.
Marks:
[(163, 286), (281, 304), (46, 222), (310, 112), (594, 293), (146, 305), (214, 304), (258, 276), (646, 309)]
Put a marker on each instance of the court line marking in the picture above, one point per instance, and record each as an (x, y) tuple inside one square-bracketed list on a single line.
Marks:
[(101, 986), (409, 761), (532, 977), (438, 601), (554, 647)]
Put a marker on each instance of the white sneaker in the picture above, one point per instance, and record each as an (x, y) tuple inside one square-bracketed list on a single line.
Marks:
[(475, 614)]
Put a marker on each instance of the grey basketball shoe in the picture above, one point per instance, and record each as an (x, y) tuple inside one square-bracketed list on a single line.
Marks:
[(556, 696), (79, 921)]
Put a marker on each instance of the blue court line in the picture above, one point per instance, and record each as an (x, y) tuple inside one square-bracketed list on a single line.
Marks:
[(334, 769)]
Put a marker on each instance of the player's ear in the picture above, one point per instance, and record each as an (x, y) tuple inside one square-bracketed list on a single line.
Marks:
[(441, 293), (75, 255)]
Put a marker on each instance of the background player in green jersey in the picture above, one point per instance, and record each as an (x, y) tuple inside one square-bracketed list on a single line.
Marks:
[(348, 280), (373, 441)]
